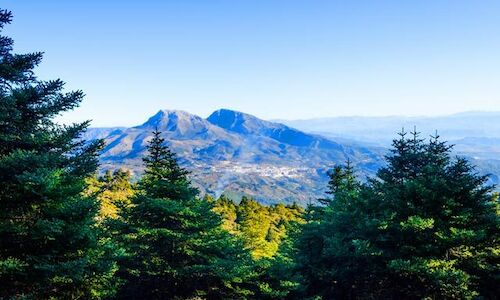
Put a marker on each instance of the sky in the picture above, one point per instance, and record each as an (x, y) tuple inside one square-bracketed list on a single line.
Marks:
[(274, 59)]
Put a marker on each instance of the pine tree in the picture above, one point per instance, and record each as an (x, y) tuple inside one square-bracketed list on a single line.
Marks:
[(437, 227), (227, 210), (174, 241), (425, 227), (163, 177), (341, 179), (325, 258), (276, 277), (262, 228), (48, 240)]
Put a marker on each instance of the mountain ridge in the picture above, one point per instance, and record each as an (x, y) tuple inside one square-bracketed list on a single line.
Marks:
[(237, 153), (246, 123)]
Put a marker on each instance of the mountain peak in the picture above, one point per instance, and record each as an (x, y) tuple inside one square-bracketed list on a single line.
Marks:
[(174, 120), (246, 124), (229, 112), (174, 113), (236, 121), (235, 152)]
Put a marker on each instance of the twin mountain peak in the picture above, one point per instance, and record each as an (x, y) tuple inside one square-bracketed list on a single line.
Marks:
[(237, 153), (189, 125)]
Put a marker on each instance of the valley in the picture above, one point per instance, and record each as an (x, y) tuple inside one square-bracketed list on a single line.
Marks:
[(238, 154)]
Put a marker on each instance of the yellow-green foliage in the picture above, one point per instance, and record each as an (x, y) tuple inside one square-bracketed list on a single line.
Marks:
[(114, 190), (496, 202), (226, 208), (262, 228)]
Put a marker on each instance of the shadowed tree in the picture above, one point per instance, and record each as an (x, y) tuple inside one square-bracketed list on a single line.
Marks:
[(48, 239), (426, 227), (174, 241)]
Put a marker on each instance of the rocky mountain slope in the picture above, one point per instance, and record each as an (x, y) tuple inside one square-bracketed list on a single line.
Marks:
[(235, 153)]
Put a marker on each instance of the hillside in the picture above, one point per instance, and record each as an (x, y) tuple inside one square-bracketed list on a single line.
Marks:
[(236, 153), (239, 154)]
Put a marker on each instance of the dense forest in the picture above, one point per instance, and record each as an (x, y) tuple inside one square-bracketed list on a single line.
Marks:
[(426, 227)]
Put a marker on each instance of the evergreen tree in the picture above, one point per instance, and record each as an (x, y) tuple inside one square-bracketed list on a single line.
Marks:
[(163, 177), (228, 211), (114, 191), (426, 227), (174, 241), (268, 232), (48, 239), (341, 179), (255, 222), (325, 256), (437, 225), (277, 277), (262, 228)]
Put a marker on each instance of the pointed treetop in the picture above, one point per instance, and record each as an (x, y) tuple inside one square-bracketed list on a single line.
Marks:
[(163, 176)]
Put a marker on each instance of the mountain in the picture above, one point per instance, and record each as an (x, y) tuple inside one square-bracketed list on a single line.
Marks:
[(475, 135), (381, 130), (246, 124), (100, 133), (478, 147), (239, 154)]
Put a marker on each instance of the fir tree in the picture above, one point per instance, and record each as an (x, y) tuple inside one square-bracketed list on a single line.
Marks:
[(325, 256), (163, 177), (48, 240), (437, 226), (262, 228), (425, 227), (174, 241), (341, 179)]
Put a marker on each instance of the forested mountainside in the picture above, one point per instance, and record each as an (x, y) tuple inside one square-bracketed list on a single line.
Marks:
[(238, 154)]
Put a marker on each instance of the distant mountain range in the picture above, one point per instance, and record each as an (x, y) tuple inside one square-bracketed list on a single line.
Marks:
[(476, 135), (381, 130), (236, 153), (239, 154)]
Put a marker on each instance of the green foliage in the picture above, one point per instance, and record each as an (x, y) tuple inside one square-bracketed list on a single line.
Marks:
[(49, 245), (262, 228), (278, 278), (163, 177), (175, 245), (268, 232), (113, 190), (426, 227)]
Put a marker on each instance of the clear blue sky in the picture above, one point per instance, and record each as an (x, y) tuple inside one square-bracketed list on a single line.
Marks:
[(275, 59)]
